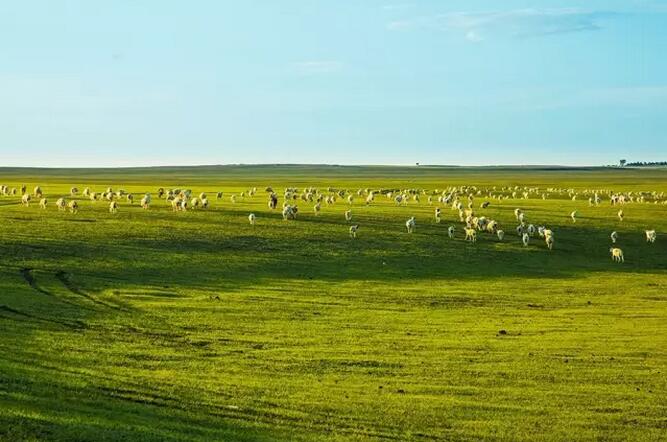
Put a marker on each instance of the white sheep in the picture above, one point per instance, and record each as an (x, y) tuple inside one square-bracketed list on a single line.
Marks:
[(616, 254), (650, 236), (61, 204), (353, 231), (348, 215), (317, 207), (252, 218), (525, 239), (73, 206), (130, 198), (621, 215), (550, 241), (614, 237), (471, 234), (37, 192), (500, 234), (410, 225), (146, 201), (450, 231), (25, 199), (204, 203), (42, 203), (113, 207), (573, 215)]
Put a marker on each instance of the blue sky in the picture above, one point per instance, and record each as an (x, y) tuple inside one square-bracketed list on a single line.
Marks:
[(125, 82)]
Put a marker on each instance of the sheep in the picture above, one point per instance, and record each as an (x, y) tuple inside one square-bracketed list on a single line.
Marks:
[(73, 191), (113, 207), (233, 199), (573, 215), (471, 234), (25, 199), (202, 196), (289, 212), (146, 201), (348, 215), (37, 192), (251, 219), (450, 231), (218, 195), (194, 203), (437, 215), (616, 254), (183, 205), (42, 203), (500, 234), (130, 198), (620, 215), (614, 237), (525, 239), (353, 231), (484, 205), (73, 206), (410, 225), (531, 229), (160, 192), (650, 236), (204, 203), (549, 241), (316, 208), (350, 199), (23, 189), (61, 204), (273, 201)]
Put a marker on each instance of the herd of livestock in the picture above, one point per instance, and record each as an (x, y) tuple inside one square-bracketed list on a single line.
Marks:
[(461, 200)]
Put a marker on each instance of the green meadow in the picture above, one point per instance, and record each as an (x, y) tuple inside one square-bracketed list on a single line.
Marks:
[(157, 325)]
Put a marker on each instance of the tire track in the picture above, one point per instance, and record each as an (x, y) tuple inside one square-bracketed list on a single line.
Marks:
[(62, 276), (11, 313), (28, 277)]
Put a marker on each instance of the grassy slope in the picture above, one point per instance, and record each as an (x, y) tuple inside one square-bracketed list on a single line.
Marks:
[(117, 332)]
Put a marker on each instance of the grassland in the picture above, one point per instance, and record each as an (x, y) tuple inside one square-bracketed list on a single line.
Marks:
[(154, 325)]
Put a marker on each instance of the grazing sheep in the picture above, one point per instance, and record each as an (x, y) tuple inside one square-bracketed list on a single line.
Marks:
[(500, 234), (73, 191), (348, 215), (650, 236), (273, 201), (484, 205), (146, 201), (450, 231), (353, 230), (525, 239), (550, 241), (113, 207), (61, 204), (252, 218), (204, 203), (471, 234), (410, 225), (316, 208), (616, 254), (614, 237), (37, 192), (73, 206), (42, 203), (289, 212), (350, 199), (620, 215), (25, 200), (218, 195), (573, 215), (194, 203), (130, 198)]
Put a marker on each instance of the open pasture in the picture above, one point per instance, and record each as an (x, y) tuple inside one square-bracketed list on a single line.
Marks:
[(196, 325)]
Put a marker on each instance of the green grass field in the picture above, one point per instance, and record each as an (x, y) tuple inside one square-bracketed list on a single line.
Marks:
[(168, 326)]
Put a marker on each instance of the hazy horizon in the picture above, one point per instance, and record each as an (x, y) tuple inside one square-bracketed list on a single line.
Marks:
[(96, 84)]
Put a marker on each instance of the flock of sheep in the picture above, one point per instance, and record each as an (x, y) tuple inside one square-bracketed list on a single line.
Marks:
[(461, 200)]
